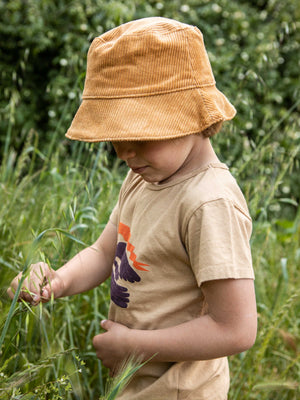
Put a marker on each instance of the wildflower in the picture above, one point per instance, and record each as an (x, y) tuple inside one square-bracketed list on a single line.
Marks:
[(63, 62), (216, 8), (185, 8), (51, 114)]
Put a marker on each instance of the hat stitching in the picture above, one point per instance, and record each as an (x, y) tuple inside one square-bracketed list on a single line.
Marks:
[(194, 78), (157, 93), (190, 62), (136, 138)]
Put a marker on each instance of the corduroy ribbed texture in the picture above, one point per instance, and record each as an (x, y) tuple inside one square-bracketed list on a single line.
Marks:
[(148, 79)]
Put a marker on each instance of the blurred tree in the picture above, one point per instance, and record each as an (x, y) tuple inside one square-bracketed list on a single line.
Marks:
[(253, 47)]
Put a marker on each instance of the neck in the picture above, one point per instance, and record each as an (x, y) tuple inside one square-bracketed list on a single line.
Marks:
[(206, 153)]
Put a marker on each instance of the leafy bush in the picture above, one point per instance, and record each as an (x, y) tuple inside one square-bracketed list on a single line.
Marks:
[(253, 48), (68, 188)]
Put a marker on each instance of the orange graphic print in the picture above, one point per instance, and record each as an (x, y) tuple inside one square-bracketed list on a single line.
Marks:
[(123, 271), (124, 230)]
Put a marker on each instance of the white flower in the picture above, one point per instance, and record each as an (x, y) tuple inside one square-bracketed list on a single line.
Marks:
[(285, 189), (263, 15), (216, 8), (238, 15), (244, 56), (260, 35), (185, 8), (63, 62), (51, 114), (220, 41)]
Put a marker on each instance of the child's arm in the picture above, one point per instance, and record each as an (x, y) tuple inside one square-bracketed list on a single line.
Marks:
[(86, 270), (228, 328)]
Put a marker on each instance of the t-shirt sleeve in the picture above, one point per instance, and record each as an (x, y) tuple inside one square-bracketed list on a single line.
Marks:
[(114, 216), (217, 241)]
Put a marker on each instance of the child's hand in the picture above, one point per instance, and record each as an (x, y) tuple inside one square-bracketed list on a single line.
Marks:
[(41, 283), (111, 346)]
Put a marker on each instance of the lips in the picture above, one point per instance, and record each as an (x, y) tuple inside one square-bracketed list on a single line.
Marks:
[(138, 170)]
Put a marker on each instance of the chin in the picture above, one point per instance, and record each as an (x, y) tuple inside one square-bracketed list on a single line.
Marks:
[(149, 179)]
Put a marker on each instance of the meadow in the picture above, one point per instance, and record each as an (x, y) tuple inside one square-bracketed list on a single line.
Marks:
[(59, 206), (56, 196)]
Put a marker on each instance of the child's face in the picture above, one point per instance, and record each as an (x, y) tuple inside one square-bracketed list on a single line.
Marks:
[(161, 161)]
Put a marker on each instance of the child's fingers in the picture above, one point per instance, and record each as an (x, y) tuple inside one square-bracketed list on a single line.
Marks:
[(46, 294), (29, 292), (51, 286), (10, 293), (29, 297), (34, 286), (13, 286)]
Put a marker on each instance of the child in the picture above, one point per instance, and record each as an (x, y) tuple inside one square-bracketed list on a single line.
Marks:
[(177, 243)]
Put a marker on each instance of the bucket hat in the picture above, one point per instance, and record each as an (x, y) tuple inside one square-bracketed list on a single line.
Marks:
[(148, 79)]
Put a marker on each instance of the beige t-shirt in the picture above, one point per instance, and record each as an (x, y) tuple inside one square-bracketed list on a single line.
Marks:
[(172, 238)]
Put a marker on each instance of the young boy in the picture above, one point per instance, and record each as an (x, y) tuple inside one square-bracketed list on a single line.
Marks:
[(177, 243)]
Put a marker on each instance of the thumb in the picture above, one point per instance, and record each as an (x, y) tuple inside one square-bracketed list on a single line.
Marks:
[(53, 287), (106, 324), (46, 293)]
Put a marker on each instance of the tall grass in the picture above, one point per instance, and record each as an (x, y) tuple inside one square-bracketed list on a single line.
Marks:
[(48, 214), (52, 206)]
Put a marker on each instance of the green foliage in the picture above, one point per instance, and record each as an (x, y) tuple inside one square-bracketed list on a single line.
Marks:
[(58, 194), (10, 385), (116, 384), (49, 215), (253, 48)]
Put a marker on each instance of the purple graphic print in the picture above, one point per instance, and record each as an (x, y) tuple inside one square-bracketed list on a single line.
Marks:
[(119, 294), (123, 270)]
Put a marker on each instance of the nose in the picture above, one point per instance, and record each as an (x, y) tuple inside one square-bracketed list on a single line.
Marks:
[(124, 150)]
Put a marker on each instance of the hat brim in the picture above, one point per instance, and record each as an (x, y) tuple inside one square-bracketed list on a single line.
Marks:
[(156, 117)]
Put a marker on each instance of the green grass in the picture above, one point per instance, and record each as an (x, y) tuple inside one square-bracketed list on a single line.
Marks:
[(48, 214), (50, 207)]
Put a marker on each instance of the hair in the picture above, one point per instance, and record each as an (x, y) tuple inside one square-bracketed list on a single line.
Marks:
[(212, 129)]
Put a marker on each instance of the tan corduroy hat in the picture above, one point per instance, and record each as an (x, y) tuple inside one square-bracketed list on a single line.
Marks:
[(148, 79)]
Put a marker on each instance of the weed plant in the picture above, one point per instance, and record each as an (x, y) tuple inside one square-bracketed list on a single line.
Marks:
[(49, 214), (55, 198), (52, 207)]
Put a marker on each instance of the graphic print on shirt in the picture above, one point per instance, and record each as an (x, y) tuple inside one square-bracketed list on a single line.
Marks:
[(123, 269)]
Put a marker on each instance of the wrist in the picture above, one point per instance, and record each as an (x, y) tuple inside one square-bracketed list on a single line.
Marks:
[(62, 287), (141, 343), (131, 344), (129, 341)]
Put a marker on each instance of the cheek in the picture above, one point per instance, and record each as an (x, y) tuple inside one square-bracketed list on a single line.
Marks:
[(163, 161)]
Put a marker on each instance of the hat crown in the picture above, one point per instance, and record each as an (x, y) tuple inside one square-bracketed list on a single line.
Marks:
[(147, 57), (148, 79)]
